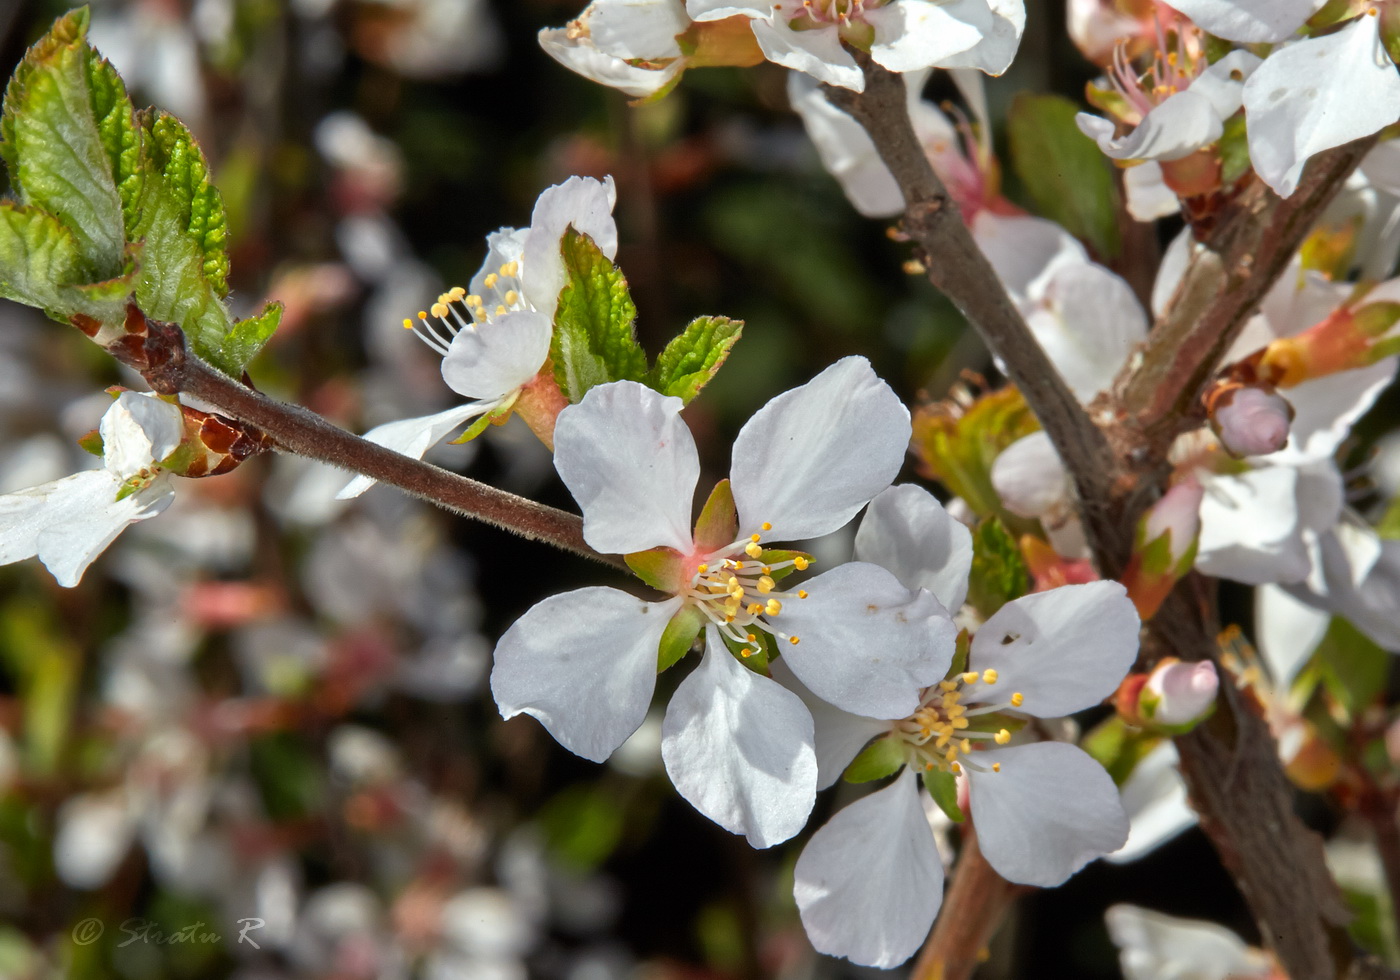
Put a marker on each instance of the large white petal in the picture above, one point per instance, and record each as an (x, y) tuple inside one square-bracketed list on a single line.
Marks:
[(869, 883), (1064, 650), (1250, 526), (906, 531), (818, 52), (814, 456), (840, 735), (1361, 576), (1327, 407), (994, 53), (631, 464), (1088, 322), (1153, 946), (738, 746), (1030, 479), (720, 9), (1317, 94), (914, 34), (1288, 631), (1178, 127), (845, 149), (1154, 797), (581, 202), (139, 430), (581, 56), (1025, 252), (644, 29), (584, 664), (1148, 196), (1050, 810), (498, 356), (868, 644), (414, 437), (1248, 21)]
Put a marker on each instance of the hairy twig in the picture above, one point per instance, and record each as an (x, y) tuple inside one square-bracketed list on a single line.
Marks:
[(170, 369), (972, 910)]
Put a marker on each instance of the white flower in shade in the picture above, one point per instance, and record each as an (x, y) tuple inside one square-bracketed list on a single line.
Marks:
[(869, 883), (1152, 946), (736, 744), (1315, 94), (1179, 107), (495, 338), (71, 521), (628, 45), (1154, 797), (1248, 21), (901, 35)]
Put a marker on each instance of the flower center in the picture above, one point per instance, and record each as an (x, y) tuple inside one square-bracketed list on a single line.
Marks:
[(457, 310), (736, 590), (939, 735), (847, 16), (1172, 70)]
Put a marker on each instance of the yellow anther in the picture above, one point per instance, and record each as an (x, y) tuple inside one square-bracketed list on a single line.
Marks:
[(512, 297), (510, 269), (959, 723), (473, 300), (947, 686), (794, 640), (755, 608), (1017, 699), (766, 526), (1002, 737), (996, 767), (746, 652), (942, 740), (753, 550), (439, 310), (773, 608), (407, 323), (754, 538), (970, 677), (766, 570), (765, 584), (490, 281), (957, 769), (732, 581), (989, 676), (800, 563), (966, 745), (702, 569), (951, 754), (752, 638), (422, 314), (500, 310), (801, 593), (456, 292)]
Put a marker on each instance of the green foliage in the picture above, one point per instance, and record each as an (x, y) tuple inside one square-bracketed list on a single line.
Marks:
[(1063, 171), (112, 203), (1234, 150), (47, 671), (692, 358), (593, 342), (1118, 747), (291, 781), (1353, 669), (999, 573), (943, 787), (879, 759), (583, 824), (958, 445), (1389, 526)]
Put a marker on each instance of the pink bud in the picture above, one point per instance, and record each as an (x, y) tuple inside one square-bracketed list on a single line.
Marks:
[(1179, 511), (1252, 421), (1178, 693)]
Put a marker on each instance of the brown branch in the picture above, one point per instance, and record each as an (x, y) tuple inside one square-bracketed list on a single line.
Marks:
[(972, 910), (958, 268), (169, 369)]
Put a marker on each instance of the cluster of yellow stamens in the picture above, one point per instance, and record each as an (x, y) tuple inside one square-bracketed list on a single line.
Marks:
[(740, 595), (836, 11), (938, 735), (457, 310)]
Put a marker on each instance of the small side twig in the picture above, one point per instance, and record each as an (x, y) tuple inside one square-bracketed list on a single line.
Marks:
[(972, 910)]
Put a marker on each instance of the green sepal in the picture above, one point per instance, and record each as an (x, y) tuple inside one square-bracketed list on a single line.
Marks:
[(692, 358), (718, 524), (1376, 319), (133, 485), (1157, 553), (961, 649), (1233, 147), (679, 636), (659, 567), (1353, 668), (879, 759), (999, 572), (764, 652), (995, 722), (1389, 525), (593, 340), (479, 425), (55, 150), (1063, 171), (1118, 747), (92, 443), (773, 556), (943, 787)]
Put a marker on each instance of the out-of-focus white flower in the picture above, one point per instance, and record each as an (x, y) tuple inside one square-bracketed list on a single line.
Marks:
[(1154, 798), (901, 35), (71, 521), (629, 45), (1152, 946), (1248, 21)]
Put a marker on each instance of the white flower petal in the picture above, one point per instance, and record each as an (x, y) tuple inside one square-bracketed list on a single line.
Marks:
[(914, 34), (1361, 575), (738, 746), (581, 56), (503, 246), (1288, 631), (139, 430), (631, 464), (1248, 21), (818, 52), (869, 883), (1178, 127), (414, 437), (643, 29), (1154, 797), (1153, 946), (1050, 810), (584, 664), (994, 53), (868, 644), (845, 149), (840, 735), (1064, 650), (1316, 94), (1148, 196), (1326, 408), (1025, 252), (498, 356), (1029, 477), (906, 531), (720, 9), (1088, 322), (1250, 526), (94, 833), (585, 205), (814, 456)]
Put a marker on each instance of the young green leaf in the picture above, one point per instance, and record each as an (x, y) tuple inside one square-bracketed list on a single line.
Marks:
[(40, 265), (999, 572), (593, 339), (692, 358)]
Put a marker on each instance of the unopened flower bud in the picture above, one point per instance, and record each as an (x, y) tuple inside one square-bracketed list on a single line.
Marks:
[(1179, 694), (1165, 547), (1249, 421)]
